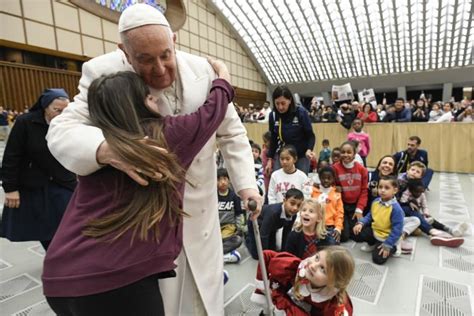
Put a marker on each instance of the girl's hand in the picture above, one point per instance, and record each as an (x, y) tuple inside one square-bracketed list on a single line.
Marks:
[(12, 199), (268, 167), (337, 235), (220, 68), (357, 228), (384, 251)]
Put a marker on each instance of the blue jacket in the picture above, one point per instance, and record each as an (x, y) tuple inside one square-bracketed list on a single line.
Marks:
[(296, 130), (402, 159), (399, 116)]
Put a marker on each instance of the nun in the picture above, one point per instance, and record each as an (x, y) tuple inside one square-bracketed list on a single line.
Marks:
[(37, 187)]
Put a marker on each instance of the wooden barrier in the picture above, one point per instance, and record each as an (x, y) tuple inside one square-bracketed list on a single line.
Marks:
[(21, 85), (450, 146)]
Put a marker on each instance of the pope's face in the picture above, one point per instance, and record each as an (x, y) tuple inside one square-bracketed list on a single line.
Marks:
[(150, 51)]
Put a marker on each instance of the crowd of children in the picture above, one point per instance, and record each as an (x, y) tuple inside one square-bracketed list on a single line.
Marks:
[(299, 229)]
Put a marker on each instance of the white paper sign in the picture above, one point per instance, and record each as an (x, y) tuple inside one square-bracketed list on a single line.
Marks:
[(344, 92)]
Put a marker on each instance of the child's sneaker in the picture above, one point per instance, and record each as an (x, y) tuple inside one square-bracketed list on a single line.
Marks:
[(439, 233), (367, 248), (460, 229), (232, 257), (452, 242), (406, 247), (226, 276)]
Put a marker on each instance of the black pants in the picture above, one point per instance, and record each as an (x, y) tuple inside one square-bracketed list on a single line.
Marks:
[(367, 235), (349, 223), (142, 298)]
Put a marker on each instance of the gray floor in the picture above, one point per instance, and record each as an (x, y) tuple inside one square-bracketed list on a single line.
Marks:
[(432, 281)]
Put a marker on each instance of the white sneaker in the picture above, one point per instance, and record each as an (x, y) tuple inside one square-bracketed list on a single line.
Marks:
[(367, 248), (232, 257), (439, 233), (460, 229)]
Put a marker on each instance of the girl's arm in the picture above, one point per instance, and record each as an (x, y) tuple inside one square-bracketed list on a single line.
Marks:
[(339, 213), (187, 134), (363, 197)]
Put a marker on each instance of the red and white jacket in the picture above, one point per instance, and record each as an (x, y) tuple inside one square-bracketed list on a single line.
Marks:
[(282, 268)]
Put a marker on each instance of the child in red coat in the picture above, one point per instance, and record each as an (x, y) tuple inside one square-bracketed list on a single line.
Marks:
[(313, 286)]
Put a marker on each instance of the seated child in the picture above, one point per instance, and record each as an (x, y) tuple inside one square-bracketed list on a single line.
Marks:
[(335, 155), (352, 178), (415, 170), (273, 220), (309, 231), (382, 227), (256, 152), (286, 177), (331, 200), (314, 286), (413, 202), (231, 217)]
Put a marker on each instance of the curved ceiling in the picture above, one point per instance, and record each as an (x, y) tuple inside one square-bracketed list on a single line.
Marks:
[(306, 41)]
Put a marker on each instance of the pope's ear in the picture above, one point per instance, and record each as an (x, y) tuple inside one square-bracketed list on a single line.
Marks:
[(122, 48)]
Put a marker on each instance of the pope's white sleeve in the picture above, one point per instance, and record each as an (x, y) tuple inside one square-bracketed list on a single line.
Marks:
[(71, 139)]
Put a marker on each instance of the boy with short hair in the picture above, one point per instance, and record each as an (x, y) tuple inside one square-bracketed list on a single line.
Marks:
[(273, 218), (415, 170), (230, 216)]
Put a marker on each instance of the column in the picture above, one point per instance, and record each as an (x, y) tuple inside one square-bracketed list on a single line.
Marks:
[(327, 98), (447, 91), (402, 92)]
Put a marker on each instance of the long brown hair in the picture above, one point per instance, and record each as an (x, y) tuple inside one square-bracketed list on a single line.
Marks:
[(117, 107), (340, 268)]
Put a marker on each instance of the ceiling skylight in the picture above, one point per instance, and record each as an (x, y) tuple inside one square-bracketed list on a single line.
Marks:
[(305, 40)]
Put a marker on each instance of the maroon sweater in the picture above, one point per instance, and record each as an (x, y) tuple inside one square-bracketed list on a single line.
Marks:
[(354, 183), (76, 265)]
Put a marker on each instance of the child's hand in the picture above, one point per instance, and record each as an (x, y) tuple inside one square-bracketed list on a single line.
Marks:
[(357, 216), (336, 235), (414, 206), (384, 251), (220, 68), (357, 228)]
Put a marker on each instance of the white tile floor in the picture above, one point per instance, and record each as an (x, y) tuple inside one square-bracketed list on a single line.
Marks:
[(433, 281)]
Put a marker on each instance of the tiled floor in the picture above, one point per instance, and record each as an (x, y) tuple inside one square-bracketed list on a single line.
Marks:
[(433, 281)]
